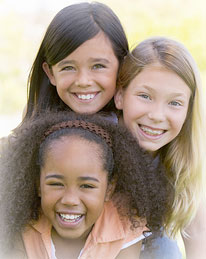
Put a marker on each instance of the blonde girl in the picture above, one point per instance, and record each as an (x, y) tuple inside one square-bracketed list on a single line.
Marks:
[(160, 95)]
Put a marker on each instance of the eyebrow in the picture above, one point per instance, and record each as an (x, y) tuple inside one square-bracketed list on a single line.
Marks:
[(54, 176), (174, 95), (82, 178), (67, 62), (104, 60), (86, 178), (148, 88)]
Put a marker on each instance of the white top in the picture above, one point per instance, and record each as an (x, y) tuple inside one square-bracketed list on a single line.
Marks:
[(136, 240)]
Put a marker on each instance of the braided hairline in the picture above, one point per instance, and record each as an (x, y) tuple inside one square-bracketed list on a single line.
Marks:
[(80, 124)]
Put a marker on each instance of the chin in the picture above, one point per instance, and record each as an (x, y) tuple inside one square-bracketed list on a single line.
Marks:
[(150, 148)]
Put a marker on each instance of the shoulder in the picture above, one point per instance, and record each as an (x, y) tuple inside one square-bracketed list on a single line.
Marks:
[(18, 250), (37, 239), (113, 226)]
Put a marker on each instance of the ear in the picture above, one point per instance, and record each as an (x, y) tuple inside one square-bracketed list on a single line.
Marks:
[(110, 190), (49, 73), (118, 99)]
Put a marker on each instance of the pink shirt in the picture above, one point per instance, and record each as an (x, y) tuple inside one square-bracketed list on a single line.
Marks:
[(109, 235)]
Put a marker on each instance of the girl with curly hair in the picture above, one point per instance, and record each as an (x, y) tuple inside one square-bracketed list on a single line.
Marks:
[(78, 186), (160, 96)]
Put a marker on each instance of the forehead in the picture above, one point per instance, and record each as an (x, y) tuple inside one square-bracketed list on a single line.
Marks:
[(100, 44), (73, 156), (158, 77), (74, 145)]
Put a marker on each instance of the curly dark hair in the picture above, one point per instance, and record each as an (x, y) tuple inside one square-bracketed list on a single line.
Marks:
[(142, 188)]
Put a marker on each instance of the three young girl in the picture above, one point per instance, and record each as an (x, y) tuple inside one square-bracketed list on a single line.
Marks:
[(76, 68), (76, 186)]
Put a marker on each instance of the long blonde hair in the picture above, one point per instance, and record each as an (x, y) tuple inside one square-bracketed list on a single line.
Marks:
[(183, 156)]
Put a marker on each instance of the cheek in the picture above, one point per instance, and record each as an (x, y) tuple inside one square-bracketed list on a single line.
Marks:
[(95, 209), (178, 122), (46, 205), (108, 82), (96, 202), (63, 82), (112, 85), (113, 77), (45, 198), (132, 110), (48, 199)]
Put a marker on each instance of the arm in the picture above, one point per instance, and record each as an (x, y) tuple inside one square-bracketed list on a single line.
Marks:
[(131, 252), (195, 244)]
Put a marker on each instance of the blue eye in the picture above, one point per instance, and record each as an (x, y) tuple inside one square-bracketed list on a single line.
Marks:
[(175, 103), (145, 96)]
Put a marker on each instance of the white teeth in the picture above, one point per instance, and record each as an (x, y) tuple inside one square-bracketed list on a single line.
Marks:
[(151, 131), (85, 96), (70, 217)]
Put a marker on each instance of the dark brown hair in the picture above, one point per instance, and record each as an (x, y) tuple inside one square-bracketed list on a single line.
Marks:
[(137, 176), (69, 29)]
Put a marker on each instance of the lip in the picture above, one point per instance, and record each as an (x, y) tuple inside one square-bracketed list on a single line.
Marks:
[(90, 92), (71, 224), (63, 211), (151, 136)]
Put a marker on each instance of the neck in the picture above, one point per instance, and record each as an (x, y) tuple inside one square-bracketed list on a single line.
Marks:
[(67, 248)]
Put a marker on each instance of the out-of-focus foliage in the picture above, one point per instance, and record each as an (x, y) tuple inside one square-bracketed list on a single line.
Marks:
[(21, 32), (182, 20)]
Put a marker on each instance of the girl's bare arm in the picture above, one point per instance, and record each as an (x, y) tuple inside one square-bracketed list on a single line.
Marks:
[(195, 244)]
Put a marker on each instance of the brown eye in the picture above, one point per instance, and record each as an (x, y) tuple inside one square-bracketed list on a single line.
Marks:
[(55, 184), (98, 66), (87, 186), (68, 68)]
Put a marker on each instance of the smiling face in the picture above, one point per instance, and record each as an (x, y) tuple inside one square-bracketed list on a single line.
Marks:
[(154, 106), (86, 79), (73, 186)]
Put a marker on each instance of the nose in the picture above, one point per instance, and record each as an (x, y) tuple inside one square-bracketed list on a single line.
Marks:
[(83, 79), (157, 113), (70, 197)]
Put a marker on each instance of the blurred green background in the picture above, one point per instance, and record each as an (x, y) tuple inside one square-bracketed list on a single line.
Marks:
[(23, 23)]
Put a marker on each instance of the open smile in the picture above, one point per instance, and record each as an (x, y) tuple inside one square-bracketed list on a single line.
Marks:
[(151, 132), (85, 96), (69, 220)]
